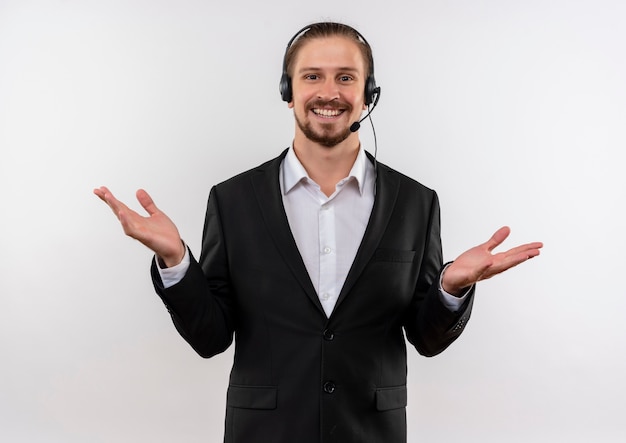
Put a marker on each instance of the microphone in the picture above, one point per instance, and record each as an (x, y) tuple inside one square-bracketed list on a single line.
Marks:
[(356, 125)]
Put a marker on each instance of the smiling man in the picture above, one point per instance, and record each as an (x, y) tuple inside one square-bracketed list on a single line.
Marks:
[(319, 262), (329, 77)]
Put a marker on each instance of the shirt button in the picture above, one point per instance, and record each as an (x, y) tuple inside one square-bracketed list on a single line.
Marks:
[(329, 387), (327, 250), (329, 335)]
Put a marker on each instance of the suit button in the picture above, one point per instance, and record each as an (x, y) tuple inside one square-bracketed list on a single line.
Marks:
[(329, 335), (329, 387)]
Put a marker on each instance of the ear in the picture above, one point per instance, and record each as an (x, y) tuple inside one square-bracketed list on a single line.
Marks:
[(290, 104)]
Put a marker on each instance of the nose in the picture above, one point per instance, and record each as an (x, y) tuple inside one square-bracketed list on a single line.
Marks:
[(328, 90)]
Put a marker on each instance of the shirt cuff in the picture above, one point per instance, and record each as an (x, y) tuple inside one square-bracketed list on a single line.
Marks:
[(452, 302), (171, 276)]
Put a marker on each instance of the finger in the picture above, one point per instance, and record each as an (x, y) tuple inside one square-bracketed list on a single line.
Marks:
[(100, 192), (497, 238), (114, 203), (527, 249), (104, 194), (118, 208), (146, 202), (512, 260), (530, 253)]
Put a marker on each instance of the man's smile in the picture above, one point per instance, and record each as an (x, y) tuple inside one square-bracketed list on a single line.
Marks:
[(327, 113)]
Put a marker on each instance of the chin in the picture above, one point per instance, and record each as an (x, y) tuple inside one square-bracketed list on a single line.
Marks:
[(329, 140), (323, 136)]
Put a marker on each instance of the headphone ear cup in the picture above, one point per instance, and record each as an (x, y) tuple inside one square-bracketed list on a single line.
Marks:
[(370, 89), (285, 87)]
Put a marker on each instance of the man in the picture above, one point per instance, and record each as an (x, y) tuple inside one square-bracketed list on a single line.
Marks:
[(318, 261)]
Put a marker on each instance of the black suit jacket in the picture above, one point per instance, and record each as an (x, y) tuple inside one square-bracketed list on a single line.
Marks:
[(297, 375)]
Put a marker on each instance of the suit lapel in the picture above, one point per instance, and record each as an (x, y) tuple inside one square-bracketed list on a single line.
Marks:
[(266, 184), (387, 186)]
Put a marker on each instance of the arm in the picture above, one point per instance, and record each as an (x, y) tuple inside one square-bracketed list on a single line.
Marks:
[(430, 325), (201, 304), (201, 317), (437, 327)]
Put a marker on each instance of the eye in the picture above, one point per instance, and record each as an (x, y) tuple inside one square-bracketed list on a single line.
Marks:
[(345, 78), (311, 77)]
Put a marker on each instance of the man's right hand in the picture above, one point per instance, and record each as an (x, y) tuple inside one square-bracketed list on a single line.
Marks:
[(156, 231)]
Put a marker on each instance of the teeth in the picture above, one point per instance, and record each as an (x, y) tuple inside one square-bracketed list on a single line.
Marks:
[(327, 112)]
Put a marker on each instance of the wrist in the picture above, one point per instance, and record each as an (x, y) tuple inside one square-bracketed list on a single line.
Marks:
[(447, 284), (170, 260)]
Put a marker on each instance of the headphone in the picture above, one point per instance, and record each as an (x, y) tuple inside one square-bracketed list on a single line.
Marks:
[(371, 90)]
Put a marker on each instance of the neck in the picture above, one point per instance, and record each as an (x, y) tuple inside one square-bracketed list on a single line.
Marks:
[(326, 166)]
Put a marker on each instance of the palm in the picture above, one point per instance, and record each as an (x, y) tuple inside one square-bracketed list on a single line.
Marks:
[(156, 230), (478, 263)]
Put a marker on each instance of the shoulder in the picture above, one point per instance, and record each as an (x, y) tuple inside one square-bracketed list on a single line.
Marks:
[(404, 182)]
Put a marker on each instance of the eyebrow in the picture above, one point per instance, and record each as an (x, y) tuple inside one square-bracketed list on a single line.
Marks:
[(342, 69)]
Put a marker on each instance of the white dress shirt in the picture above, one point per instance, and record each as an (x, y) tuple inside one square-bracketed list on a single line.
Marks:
[(327, 230)]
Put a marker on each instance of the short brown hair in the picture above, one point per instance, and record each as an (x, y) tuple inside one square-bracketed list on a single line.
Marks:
[(323, 30)]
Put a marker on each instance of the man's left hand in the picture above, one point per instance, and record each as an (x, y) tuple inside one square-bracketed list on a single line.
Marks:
[(478, 263)]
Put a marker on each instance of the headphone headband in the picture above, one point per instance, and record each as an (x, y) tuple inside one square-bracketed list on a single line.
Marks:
[(285, 85)]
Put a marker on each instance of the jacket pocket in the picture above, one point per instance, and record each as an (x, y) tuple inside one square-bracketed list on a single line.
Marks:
[(394, 255), (252, 397), (391, 398)]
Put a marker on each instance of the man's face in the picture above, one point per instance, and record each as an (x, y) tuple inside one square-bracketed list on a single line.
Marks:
[(328, 82)]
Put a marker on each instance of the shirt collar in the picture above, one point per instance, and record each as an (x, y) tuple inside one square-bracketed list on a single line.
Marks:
[(294, 172)]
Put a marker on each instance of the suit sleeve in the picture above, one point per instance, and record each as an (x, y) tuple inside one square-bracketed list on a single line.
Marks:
[(200, 304), (430, 326)]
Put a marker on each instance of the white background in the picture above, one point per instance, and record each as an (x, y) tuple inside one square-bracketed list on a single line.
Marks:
[(514, 111)]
